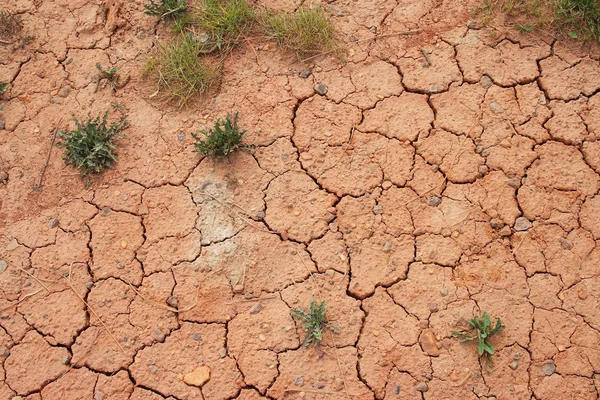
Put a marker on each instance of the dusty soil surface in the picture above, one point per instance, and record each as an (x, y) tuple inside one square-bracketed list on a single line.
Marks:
[(413, 195)]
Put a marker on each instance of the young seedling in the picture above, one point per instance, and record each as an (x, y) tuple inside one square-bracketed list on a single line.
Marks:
[(482, 330), (314, 321), (224, 138), (111, 76), (172, 9), (3, 86), (91, 146)]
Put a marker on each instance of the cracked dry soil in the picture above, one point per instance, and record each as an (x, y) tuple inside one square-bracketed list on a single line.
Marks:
[(411, 196)]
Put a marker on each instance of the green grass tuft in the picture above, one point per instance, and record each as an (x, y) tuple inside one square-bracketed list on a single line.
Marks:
[(306, 32), (91, 146), (169, 9), (224, 138), (224, 21), (180, 72), (314, 321), (482, 330), (579, 18)]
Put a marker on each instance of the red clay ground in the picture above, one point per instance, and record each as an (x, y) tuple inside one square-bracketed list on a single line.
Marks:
[(409, 197)]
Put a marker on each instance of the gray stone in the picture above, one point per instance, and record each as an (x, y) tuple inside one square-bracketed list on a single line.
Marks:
[(222, 352), (423, 387), (173, 301), (514, 365), (53, 223), (196, 337), (548, 368), (304, 74), (434, 201), (64, 92), (321, 89), (181, 136), (522, 224), (256, 308), (299, 381), (486, 81)]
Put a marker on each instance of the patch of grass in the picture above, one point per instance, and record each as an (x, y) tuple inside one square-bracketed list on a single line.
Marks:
[(170, 9), (482, 330), (3, 86), (224, 21), (314, 321), (91, 145), (10, 25), (111, 76), (579, 18), (306, 32), (180, 72), (224, 138)]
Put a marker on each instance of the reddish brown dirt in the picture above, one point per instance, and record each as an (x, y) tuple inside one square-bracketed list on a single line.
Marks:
[(410, 197)]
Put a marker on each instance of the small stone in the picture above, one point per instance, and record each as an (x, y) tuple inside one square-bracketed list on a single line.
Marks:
[(433, 307), (299, 381), (472, 24), (247, 295), (522, 224), (196, 337), (262, 337), (3, 265), (302, 395), (65, 360), (181, 136), (444, 292), (64, 92), (486, 81), (378, 209), (516, 356), (260, 215), (5, 352), (495, 107), (504, 232), (173, 301), (304, 74), (330, 272), (256, 308), (222, 352), (386, 185), (120, 266), (548, 368), (106, 211), (98, 396), (89, 285), (423, 387), (68, 61), (158, 335), (197, 377), (124, 197), (3, 175), (321, 89), (434, 201), (483, 170), (375, 333), (514, 365), (496, 223), (428, 343), (123, 244), (387, 247)]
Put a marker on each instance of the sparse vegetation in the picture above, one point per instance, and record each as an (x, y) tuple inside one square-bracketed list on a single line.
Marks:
[(224, 138), (482, 330), (314, 321), (171, 9), (577, 19), (91, 146), (180, 71), (307, 32), (111, 76), (3, 86), (10, 26), (224, 21)]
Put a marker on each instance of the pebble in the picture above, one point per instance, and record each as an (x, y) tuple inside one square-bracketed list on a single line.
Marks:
[(222, 352), (548, 368), (386, 185), (260, 215), (123, 244), (299, 381), (173, 301), (64, 92), (262, 337), (2, 266), (378, 209), (196, 337), (98, 395), (106, 211), (434, 201), (321, 89), (423, 387), (197, 377), (522, 224), (483, 170), (158, 335), (247, 295), (304, 74), (496, 223), (256, 308), (486, 81), (514, 365), (444, 292), (65, 360), (5, 352), (181, 136)]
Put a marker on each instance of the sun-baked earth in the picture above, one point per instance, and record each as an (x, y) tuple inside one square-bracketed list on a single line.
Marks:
[(444, 173)]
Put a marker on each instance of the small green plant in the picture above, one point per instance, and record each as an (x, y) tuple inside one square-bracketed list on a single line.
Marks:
[(172, 9), (222, 139), (111, 76), (224, 21), (10, 26), (91, 146), (307, 32), (314, 321), (580, 18), (3, 86), (180, 72), (482, 330), (524, 28)]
